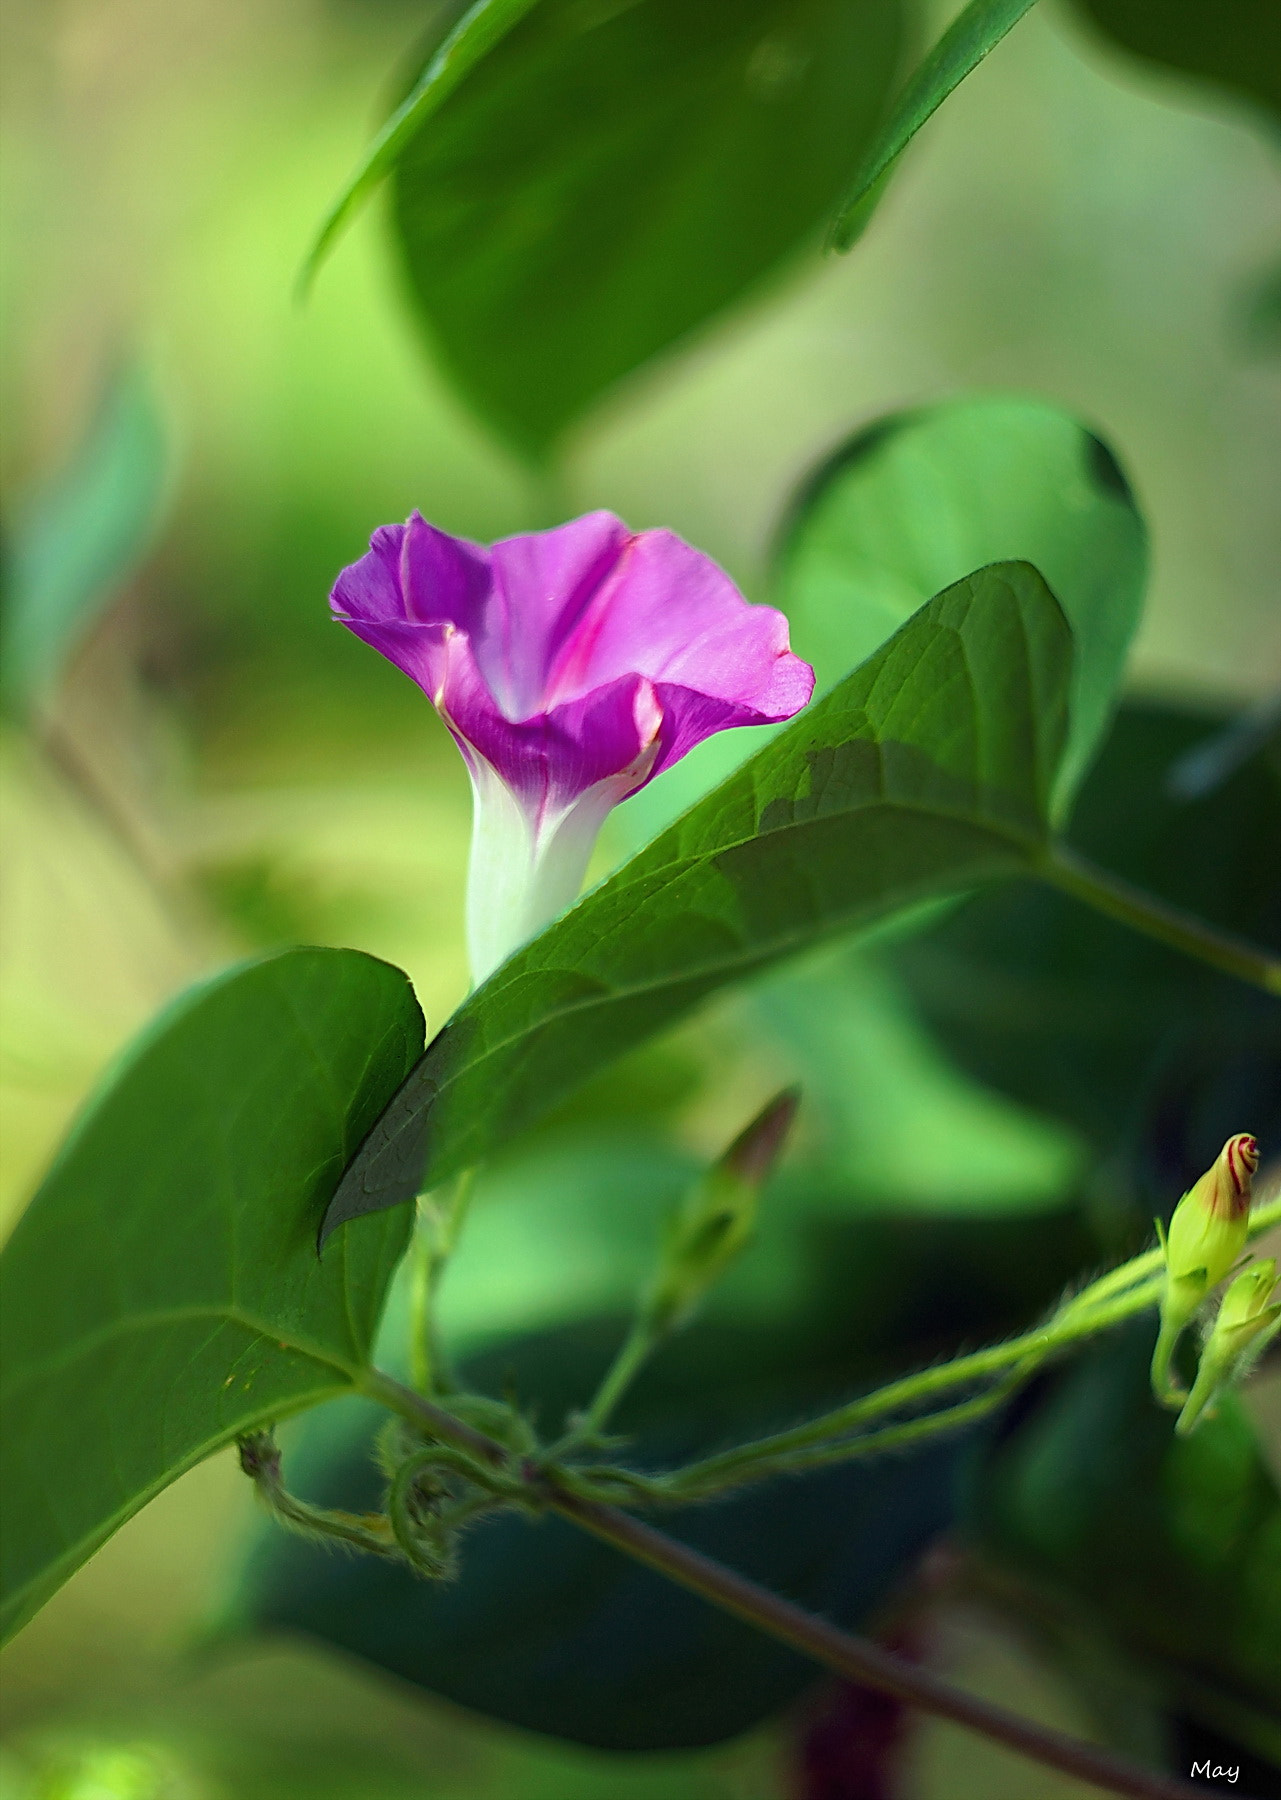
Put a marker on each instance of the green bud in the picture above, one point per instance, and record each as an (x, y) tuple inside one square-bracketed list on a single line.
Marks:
[(1247, 1320), (717, 1218), (1206, 1236), (1210, 1225)]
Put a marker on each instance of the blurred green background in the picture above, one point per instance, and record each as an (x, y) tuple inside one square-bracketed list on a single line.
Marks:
[(223, 770)]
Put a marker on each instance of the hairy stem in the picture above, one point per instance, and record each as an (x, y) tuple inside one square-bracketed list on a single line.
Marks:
[(1063, 868), (854, 1658), (1121, 1294), (260, 1460), (1023, 1354)]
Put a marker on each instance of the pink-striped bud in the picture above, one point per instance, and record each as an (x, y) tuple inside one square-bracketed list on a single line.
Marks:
[(1208, 1230), (1206, 1236)]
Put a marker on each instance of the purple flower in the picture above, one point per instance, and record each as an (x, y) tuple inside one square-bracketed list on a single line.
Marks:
[(571, 666)]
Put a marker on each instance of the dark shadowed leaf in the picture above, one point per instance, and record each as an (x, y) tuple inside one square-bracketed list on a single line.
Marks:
[(162, 1292), (919, 498), (611, 175), (1169, 1546), (927, 771), (967, 40), (1234, 44), (1065, 1010), (547, 1629), (80, 539)]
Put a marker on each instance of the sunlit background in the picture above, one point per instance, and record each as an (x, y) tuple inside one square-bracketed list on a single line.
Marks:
[(226, 771)]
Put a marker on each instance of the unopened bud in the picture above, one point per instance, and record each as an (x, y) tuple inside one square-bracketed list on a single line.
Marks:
[(1247, 1320), (1248, 1308), (718, 1216), (1206, 1235), (1208, 1230)]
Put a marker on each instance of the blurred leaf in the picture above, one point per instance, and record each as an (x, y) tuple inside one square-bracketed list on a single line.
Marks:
[(926, 771), (80, 539), (162, 1291), (1061, 1008), (967, 40), (612, 173), (1235, 44), (563, 1230), (470, 38), (1260, 313), (548, 1630), (1172, 1546), (889, 1111), (919, 498)]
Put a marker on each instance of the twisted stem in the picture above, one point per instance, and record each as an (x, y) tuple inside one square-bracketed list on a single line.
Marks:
[(854, 1658)]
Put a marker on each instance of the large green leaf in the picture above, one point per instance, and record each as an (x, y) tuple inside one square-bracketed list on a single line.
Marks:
[(162, 1291), (926, 771), (917, 499), (609, 176), (80, 538), (1170, 1546), (1235, 44), (967, 40)]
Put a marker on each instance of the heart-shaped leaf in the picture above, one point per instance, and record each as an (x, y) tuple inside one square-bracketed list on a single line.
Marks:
[(162, 1292), (607, 177), (918, 499), (927, 771)]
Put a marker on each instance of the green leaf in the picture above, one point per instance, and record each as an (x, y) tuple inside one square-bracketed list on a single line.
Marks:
[(80, 540), (1235, 44), (957, 54), (927, 771), (1068, 1011), (1169, 1546), (162, 1292), (919, 498), (473, 37), (613, 173)]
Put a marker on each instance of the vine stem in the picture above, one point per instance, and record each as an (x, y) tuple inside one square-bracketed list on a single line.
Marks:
[(854, 1658), (1080, 1318), (625, 1366), (1118, 1294), (1063, 868)]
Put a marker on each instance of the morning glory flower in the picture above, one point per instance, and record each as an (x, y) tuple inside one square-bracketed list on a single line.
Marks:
[(571, 667)]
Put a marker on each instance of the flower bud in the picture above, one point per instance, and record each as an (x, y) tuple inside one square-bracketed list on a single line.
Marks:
[(1208, 1230), (1248, 1319), (717, 1217), (1206, 1235), (1246, 1309)]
